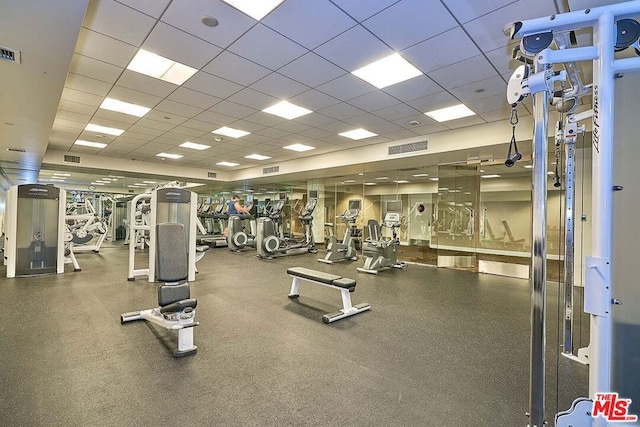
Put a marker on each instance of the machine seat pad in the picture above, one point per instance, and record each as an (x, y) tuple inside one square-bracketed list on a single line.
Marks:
[(319, 276), (179, 306), (202, 248)]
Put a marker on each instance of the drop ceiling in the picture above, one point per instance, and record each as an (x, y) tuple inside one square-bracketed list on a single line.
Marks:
[(303, 51)]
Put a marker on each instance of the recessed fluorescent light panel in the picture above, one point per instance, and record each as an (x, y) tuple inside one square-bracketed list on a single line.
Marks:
[(450, 113), (231, 132), (387, 71), (382, 177), (370, 183), (287, 110), (169, 155), (149, 182), (490, 176), (104, 129), (230, 164), (420, 174), (257, 9), (257, 157), (433, 179), (162, 68), (97, 183), (124, 107), (401, 181), (358, 134), (194, 146), (90, 144), (61, 174), (299, 147), (56, 179)]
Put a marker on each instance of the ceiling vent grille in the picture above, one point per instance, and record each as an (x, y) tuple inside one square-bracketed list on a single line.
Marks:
[(409, 148), (71, 159), (10, 55), (272, 169), (212, 175)]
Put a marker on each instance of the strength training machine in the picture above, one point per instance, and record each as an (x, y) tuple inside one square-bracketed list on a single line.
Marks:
[(176, 309)]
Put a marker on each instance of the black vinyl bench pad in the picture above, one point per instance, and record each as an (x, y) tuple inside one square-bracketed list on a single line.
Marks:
[(343, 284), (321, 277)]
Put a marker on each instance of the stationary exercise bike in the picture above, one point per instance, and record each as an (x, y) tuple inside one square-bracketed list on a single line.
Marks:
[(382, 253), (237, 236), (269, 245), (346, 250)]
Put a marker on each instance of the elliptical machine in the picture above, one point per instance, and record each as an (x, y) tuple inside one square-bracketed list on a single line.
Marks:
[(269, 245), (237, 238), (382, 253), (345, 251)]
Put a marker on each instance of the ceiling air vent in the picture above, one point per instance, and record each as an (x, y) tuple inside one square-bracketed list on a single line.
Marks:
[(8, 54), (272, 169), (212, 174), (71, 159), (409, 148)]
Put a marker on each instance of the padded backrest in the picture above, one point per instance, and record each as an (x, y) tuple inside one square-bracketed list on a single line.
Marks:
[(171, 249), (375, 233)]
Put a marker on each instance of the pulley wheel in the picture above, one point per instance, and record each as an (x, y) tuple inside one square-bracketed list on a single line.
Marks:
[(536, 43), (628, 32)]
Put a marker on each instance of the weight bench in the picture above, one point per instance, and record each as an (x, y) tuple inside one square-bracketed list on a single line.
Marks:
[(343, 284)]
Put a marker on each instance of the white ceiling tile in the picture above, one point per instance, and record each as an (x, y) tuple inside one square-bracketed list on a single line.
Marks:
[(214, 119), (502, 60), (464, 122), (170, 42), (186, 15), (363, 9), (373, 101), (140, 82), (232, 67), (199, 125), (292, 126), (71, 119), (315, 119), (432, 102), (340, 111), (396, 112), (279, 86), (467, 10), (311, 70), (253, 98), (165, 119), (487, 31), (81, 97), (419, 20), (336, 127), (400, 134), (489, 87), (134, 96), (86, 84), (76, 107), (429, 129), (123, 120), (232, 109), (314, 100), (416, 87), (264, 119), (150, 7), (492, 103), (89, 67), (273, 133), (194, 98), (496, 115), (319, 134), (346, 87), (306, 22), (173, 107), (151, 127), (458, 74), (364, 121), (103, 48), (188, 132), (212, 85), (419, 117), (354, 49), (438, 51), (118, 21), (267, 48), (247, 126)]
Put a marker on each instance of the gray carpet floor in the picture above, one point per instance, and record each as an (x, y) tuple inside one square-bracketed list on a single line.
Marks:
[(438, 348)]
